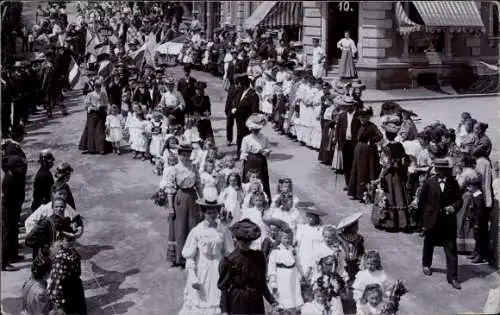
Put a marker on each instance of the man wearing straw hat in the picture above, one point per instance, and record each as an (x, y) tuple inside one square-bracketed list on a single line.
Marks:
[(439, 201)]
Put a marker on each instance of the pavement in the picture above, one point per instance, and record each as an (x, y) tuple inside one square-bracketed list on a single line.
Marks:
[(123, 249)]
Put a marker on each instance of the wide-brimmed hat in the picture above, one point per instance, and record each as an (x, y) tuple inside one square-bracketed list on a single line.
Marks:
[(349, 220), (280, 224), (346, 101), (245, 230), (442, 163), (256, 121), (357, 84), (391, 123), (209, 198), (391, 127), (63, 169), (365, 111), (409, 112), (315, 211)]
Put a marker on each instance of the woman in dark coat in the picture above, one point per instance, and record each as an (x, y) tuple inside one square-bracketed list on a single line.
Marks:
[(203, 107), (242, 274), (63, 175), (366, 165), (392, 212), (43, 180), (65, 286), (328, 119)]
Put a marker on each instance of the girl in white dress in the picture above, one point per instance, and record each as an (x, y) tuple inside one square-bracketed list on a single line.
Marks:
[(207, 177), (372, 301), (254, 213), (158, 130), (309, 237), (331, 246), (207, 243), (114, 134), (372, 272), (284, 273), (322, 302), (285, 211), (316, 131), (229, 164), (232, 198), (136, 125), (191, 131), (285, 187), (249, 189)]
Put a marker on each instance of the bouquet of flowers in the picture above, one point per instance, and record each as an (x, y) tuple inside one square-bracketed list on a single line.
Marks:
[(160, 198)]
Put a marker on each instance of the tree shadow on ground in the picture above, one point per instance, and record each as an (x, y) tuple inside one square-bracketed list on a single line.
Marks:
[(278, 157), (111, 280), (88, 251)]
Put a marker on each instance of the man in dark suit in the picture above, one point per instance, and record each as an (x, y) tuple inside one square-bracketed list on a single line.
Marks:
[(141, 95), (115, 90), (245, 104), (232, 96), (187, 87), (439, 202), (346, 132)]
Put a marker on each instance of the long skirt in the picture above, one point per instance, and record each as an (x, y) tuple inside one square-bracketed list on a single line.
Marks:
[(74, 296), (365, 168), (337, 160), (347, 69), (187, 215), (205, 129), (93, 137), (258, 162), (394, 213), (465, 226), (325, 154)]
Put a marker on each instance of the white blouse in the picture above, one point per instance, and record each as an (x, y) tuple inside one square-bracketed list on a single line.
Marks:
[(253, 144), (346, 44)]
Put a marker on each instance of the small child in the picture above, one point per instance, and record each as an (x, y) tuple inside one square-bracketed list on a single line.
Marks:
[(372, 272), (169, 149), (35, 298), (352, 243), (126, 109), (190, 131), (286, 211), (113, 125), (197, 151), (171, 161), (372, 301), (208, 177), (254, 213), (272, 239), (251, 189), (208, 149), (136, 124), (158, 130), (232, 198), (285, 186), (229, 163), (479, 216), (252, 178), (323, 303), (284, 272)]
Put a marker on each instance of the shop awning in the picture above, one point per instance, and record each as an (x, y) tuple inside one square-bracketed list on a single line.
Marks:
[(405, 25), (284, 14), (455, 16), (259, 14)]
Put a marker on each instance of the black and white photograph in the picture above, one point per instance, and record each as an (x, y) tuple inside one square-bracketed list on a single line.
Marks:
[(250, 157)]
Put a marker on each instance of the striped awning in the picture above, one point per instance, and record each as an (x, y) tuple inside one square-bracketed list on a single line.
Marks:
[(405, 25), (455, 16), (284, 14), (259, 14)]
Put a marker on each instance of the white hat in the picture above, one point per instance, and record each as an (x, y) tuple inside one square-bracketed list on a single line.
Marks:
[(349, 220), (210, 198), (256, 121)]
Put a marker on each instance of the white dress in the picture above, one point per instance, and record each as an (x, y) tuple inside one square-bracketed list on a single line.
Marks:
[(364, 278), (308, 240), (232, 199), (284, 275), (158, 131), (255, 215), (208, 180), (137, 129), (323, 250), (316, 132), (114, 125), (316, 308), (292, 217), (204, 248), (190, 135), (318, 62), (267, 96)]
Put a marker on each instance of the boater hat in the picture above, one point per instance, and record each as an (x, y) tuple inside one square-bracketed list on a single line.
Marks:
[(245, 230), (357, 84), (210, 198), (442, 163), (349, 220), (256, 121)]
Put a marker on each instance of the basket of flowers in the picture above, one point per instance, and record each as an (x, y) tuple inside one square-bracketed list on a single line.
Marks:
[(160, 198)]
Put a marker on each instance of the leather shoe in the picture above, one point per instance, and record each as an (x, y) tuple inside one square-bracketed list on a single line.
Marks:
[(427, 271), (455, 284)]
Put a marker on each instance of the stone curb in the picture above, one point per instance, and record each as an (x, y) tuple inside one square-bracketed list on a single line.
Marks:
[(426, 98)]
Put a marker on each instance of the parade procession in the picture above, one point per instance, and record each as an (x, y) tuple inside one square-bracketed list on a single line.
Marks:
[(250, 157)]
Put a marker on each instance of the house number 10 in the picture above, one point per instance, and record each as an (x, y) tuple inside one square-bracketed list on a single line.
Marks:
[(344, 6)]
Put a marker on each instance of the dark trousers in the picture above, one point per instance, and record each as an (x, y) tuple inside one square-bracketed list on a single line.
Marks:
[(481, 237), (347, 159), (242, 131), (450, 250), (6, 122), (11, 216), (229, 127)]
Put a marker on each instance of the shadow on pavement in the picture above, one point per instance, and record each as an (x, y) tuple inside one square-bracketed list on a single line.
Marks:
[(88, 251), (278, 157), (111, 280), (468, 272)]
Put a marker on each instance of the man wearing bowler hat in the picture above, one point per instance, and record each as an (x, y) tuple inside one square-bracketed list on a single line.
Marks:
[(187, 87), (439, 202)]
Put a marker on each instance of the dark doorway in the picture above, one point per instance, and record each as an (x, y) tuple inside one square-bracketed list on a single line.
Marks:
[(342, 16)]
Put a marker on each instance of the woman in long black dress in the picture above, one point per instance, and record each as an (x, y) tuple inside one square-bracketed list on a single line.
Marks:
[(64, 285), (63, 175), (328, 119), (366, 165), (242, 274), (203, 108), (255, 149)]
